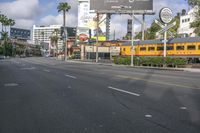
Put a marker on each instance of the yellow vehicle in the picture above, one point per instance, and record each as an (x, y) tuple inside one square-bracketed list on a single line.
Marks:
[(179, 47)]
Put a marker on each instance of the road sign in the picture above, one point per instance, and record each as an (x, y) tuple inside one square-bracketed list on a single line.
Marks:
[(166, 15), (166, 28)]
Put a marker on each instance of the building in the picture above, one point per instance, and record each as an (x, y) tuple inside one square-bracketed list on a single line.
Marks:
[(42, 34), (20, 34), (87, 18), (185, 21)]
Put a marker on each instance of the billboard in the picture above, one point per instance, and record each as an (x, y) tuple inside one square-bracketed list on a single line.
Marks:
[(101, 5), (88, 19), (19, 33), (83, 34), (71, 31)]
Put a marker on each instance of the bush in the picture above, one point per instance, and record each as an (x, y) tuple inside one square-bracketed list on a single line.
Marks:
[(151, 61)]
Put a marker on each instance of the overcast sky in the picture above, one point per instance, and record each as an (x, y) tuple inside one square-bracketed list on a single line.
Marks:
[(44, 12)]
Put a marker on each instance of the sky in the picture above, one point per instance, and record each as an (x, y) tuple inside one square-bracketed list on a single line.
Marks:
[(26, 13)]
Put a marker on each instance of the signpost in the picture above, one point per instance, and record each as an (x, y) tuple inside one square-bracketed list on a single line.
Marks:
[(166, 16), (133, 7)]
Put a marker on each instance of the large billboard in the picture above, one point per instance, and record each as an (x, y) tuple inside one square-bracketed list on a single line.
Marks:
[(19, 33), (88, 20), (107, 5)]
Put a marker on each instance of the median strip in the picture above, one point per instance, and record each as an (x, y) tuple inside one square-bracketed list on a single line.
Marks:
[(120, 90)]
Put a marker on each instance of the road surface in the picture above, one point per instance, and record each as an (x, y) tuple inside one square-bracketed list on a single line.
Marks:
[(42, 95)]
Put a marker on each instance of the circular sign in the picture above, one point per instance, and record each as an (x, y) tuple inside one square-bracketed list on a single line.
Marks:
[(166, 15), (83, 37)]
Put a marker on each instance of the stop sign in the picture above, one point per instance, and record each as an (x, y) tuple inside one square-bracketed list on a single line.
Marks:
[(83, 37)]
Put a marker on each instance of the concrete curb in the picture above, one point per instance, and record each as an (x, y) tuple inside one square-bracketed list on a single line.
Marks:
[(140, 67)]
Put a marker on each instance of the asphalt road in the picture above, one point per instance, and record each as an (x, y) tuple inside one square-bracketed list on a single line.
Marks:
[(41, 95)]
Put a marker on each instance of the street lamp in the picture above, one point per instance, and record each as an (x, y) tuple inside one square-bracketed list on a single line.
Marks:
[(132, 39)]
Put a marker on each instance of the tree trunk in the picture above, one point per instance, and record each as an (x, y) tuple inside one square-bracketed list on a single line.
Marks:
[(64, 15)]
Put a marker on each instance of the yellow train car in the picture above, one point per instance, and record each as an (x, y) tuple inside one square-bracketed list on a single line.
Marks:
[(179, 47)]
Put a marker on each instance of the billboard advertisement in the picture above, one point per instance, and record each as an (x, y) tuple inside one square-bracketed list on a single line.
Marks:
[(88, 19), (19, 33), (100, 5), (83, 34)]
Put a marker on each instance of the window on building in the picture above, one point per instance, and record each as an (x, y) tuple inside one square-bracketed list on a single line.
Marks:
[(180, 47), (188, 19), (124, 49), (183, 21), (170, 47), (143, 49), (160, 48), (191, 47), (151, 48)]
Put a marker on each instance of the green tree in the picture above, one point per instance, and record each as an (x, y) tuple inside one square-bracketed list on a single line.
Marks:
[(63, 7), (196, 23), (152, 31), (54, 39), (193, 2)]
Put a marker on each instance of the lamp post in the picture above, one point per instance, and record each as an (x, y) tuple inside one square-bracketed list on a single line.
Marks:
[(132, 39)]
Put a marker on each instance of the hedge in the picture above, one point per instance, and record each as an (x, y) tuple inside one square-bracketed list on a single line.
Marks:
[(152, 61)]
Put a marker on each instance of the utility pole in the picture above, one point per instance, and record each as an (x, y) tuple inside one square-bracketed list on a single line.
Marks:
[(97, 38), (132, 39)]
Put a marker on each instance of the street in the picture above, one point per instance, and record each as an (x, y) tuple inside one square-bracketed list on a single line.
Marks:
[(44, 95)]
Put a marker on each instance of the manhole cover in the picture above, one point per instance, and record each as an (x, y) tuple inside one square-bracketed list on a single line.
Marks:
[(10, 85)]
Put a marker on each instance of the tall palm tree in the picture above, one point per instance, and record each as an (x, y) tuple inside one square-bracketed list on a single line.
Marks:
[(9, 22), (3, 21), (64, 7)]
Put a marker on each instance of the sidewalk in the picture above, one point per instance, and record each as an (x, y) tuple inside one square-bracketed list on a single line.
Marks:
[(140, 67)]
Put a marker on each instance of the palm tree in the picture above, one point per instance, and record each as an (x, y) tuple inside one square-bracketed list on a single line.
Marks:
[(9, 22), (64, 7), (54, 39), (3, 21)]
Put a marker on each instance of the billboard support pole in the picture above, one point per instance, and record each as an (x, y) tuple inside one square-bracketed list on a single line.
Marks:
[(132, 38), (97, 38), (143, 26)]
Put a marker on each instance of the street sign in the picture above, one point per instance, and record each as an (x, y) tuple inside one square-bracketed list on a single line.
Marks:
[(166, 15), (166, 28), (159, 23)]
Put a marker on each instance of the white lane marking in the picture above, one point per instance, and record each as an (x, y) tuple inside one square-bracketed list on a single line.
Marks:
[(148, 116), (183, 108), (131, 93), (46, 70), (10, 85), (30, 68), (70, 76)]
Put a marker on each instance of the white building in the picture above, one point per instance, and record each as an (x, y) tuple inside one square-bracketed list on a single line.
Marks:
[(43, 34), (185, 21)]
